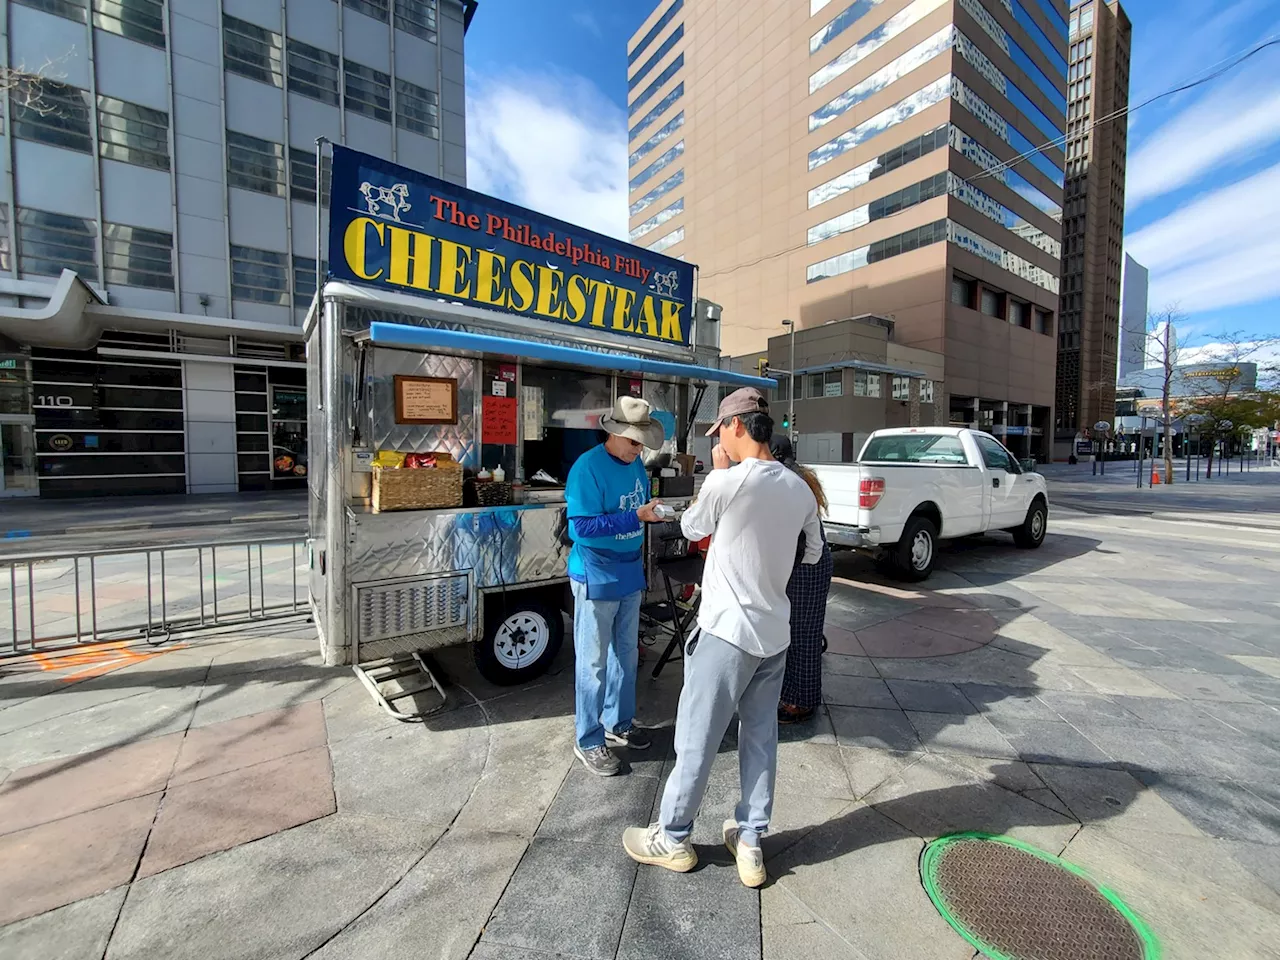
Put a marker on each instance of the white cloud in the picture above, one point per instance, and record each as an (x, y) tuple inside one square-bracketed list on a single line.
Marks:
[(1224, 128), (1220, 250), (551, 142)]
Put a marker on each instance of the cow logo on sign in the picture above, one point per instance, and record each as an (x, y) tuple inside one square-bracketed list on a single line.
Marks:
[(395, 198)]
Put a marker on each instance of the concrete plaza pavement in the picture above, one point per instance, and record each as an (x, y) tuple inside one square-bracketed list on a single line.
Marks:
[(1113, 698)]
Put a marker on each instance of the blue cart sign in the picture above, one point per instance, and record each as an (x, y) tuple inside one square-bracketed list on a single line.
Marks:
[(398, 229)]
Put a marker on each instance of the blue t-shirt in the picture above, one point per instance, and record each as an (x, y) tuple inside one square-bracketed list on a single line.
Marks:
[(603, 495)]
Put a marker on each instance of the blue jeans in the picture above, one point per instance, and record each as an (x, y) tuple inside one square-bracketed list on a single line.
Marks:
[(606, 646)]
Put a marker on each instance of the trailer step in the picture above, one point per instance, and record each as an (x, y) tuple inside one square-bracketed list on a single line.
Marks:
[(398, 668)]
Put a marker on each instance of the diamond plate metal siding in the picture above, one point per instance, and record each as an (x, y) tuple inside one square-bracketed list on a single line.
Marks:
[(502, 546), (459, 440)]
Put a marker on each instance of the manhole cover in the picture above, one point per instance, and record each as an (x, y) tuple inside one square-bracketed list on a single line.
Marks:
[(1014, 902)]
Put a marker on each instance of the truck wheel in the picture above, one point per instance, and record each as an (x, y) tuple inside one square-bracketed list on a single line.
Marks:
[(520, 642), (913, 555), (1031, 534)]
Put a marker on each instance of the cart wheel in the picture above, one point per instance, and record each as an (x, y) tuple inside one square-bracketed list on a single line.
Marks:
[(520, 645)]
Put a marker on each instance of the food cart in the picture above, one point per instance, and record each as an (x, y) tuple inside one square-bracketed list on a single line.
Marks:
[(485, 340)]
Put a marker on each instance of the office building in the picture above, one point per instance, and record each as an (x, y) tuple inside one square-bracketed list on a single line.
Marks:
[(1133, 317), (851, 377), (1093, 224), (837, 159), (168, 161)]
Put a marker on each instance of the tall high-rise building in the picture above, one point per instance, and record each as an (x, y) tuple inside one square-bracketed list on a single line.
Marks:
[(844, 158), (1093, 224), (1133, 317), (168, 160)]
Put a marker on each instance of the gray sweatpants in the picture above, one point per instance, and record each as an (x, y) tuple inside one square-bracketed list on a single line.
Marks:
[(720, 679)]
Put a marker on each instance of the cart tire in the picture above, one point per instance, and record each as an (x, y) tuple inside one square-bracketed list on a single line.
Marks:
[(520, 642)]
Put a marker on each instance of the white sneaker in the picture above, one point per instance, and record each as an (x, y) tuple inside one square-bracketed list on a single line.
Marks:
[(651, 845), (750, 859)]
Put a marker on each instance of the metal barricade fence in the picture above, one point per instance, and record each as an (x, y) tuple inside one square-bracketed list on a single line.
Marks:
[(48, 601)]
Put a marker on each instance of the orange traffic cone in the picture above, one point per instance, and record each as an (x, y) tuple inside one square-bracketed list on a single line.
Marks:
[(1155, 476)]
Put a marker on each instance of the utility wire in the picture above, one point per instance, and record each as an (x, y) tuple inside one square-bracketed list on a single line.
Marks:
[(1226, 66)]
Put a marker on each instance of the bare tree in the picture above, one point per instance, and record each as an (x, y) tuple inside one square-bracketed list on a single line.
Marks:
[(28, 89), (1162, 349)]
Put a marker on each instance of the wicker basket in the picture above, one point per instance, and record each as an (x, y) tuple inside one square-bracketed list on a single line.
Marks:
[(490, 493), (424, 488)]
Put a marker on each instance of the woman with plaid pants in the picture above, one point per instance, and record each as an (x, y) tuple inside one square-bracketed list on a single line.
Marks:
[(807, 591)]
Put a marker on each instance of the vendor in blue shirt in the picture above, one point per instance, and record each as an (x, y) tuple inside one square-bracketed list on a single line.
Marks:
[(608, 503)]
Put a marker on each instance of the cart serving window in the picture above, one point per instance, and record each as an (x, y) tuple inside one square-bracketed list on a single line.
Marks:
[(459, 359)]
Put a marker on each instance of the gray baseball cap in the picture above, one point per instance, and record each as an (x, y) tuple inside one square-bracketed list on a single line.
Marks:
[(739, 403)]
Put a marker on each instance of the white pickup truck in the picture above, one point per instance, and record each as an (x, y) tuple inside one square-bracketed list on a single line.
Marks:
[(914, 486)]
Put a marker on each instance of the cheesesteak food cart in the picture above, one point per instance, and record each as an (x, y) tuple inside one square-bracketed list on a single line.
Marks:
[(459, 356)]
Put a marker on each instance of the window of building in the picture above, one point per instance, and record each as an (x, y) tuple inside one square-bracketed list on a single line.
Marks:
[(255, 164), (661, 163), (656, 29), (368, 91), (643, 71), (1019, 313), (137, 257), (71, 9), (48, 242), (926, 391), (252, 51), (5, 234), (378, 9), (661, 190), (141, 20), (1086, 18), (313, 72), (417, 17), (1044, 322), (302, 176), (417, 109), (901, 388), (259, 275), (670, 240), (54, 113), (992, 303), (132, 133), (676, 93), (657, 85), (304, 279), (866, 384), (657, 220), (962, 291), (782, 392)]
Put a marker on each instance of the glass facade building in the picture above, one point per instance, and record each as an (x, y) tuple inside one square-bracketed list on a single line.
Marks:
[(172, 167), (916, 174)]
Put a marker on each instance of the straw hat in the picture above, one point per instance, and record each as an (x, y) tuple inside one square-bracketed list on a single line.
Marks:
[(631, 418)]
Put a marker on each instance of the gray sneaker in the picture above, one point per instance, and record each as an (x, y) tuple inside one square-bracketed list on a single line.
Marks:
[(633, 738), (598, 760)]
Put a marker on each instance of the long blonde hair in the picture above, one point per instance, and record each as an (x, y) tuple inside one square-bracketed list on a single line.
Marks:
[(811, 478)]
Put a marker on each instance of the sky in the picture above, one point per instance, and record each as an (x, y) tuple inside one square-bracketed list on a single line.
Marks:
[(546, 128)]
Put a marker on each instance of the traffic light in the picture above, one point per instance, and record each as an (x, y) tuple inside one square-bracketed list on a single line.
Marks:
[(762, 367), (786, 422)]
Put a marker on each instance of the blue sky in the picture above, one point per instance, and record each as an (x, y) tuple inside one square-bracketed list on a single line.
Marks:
[(547, 128)]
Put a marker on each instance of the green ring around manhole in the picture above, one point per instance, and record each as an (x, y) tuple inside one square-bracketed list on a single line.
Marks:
[(1014, 902)]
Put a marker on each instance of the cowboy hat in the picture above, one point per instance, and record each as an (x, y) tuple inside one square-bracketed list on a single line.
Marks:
[(631, 418)]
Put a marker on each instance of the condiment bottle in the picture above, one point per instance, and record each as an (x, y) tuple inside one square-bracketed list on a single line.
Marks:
[(499, 474)]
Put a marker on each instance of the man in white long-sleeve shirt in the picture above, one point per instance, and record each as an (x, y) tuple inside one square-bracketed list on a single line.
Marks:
[(753, 511)]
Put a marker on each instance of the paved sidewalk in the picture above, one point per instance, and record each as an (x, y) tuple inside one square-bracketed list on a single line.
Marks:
[(25, 518), (1113, 698)]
